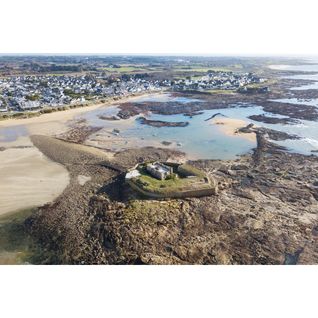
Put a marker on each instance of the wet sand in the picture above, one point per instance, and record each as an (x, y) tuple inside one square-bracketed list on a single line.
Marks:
[(58, 119), (107, 140), (48, 124), (229, 127), (28, 179)]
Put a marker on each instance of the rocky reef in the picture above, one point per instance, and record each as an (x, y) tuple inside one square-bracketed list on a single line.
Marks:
[(266, 211), (160, 123), (273, 120)]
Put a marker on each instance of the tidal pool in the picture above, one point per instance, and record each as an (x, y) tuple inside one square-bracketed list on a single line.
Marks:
[(203, 139), (298, 101), (16, 244)]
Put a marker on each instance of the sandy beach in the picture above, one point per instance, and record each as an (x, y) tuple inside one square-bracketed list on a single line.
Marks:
[(27, 177), (58, 119), (229, 127)]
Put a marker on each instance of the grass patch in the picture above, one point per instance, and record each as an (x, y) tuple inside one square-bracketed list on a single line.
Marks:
[(221, 91), (125, 69), (204, 69), (155, 185), (188, 170), (179, 182), (256, 85)]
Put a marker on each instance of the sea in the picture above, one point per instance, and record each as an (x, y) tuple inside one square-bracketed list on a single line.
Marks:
[(205, 140)]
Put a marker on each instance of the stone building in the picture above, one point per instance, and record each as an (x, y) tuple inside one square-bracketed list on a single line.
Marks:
[(159, 170)]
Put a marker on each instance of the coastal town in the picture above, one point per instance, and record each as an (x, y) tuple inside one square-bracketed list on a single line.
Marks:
[(154, 140), (33, 92), (207, 150), (219, 80)]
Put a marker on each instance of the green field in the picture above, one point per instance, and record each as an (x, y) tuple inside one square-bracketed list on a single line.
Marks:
[(204, 68), (221, 91), (127, 69), (176, 183), (154, 184), (258, 85)]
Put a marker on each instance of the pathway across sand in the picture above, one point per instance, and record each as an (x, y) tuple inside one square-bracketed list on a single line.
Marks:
[(27, 177)]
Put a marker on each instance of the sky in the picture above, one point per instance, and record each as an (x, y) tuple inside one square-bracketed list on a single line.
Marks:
[(223, 27)]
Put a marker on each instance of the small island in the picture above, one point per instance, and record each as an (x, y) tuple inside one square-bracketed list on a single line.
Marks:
[(160, 123), (170, 180)]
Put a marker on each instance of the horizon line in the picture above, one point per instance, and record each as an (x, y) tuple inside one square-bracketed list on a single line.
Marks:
[(289, 55)]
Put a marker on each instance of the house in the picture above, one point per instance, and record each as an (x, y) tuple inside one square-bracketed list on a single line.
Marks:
[(159, 170), (132, 174)]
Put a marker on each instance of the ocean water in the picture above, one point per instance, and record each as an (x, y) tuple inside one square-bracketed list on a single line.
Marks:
[(298, 101), (203, 139), (200, 139), (308, 77), (307, 130), (8, 134), (312, 66)]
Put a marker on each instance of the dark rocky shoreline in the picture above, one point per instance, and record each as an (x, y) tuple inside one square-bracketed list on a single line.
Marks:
[(292, 112), (160, 123), (273, 120), (266, 210)]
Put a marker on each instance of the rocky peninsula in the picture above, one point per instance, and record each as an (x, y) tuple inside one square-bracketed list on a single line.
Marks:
[(265, 212)]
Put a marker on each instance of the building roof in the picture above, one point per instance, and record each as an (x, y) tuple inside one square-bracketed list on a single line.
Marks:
[(132, 174)]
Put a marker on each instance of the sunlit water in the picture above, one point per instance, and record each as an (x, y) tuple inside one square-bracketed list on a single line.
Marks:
[(313, 67), (298, 101), (203, 139), (307, 130)]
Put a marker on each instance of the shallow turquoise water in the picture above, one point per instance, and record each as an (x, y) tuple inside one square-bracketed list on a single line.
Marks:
[(200, 138), (203, 139)]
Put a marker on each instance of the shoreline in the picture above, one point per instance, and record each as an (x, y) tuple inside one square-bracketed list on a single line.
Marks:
[(7, 122), (27, 177), (229, 127), (79, 202)]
